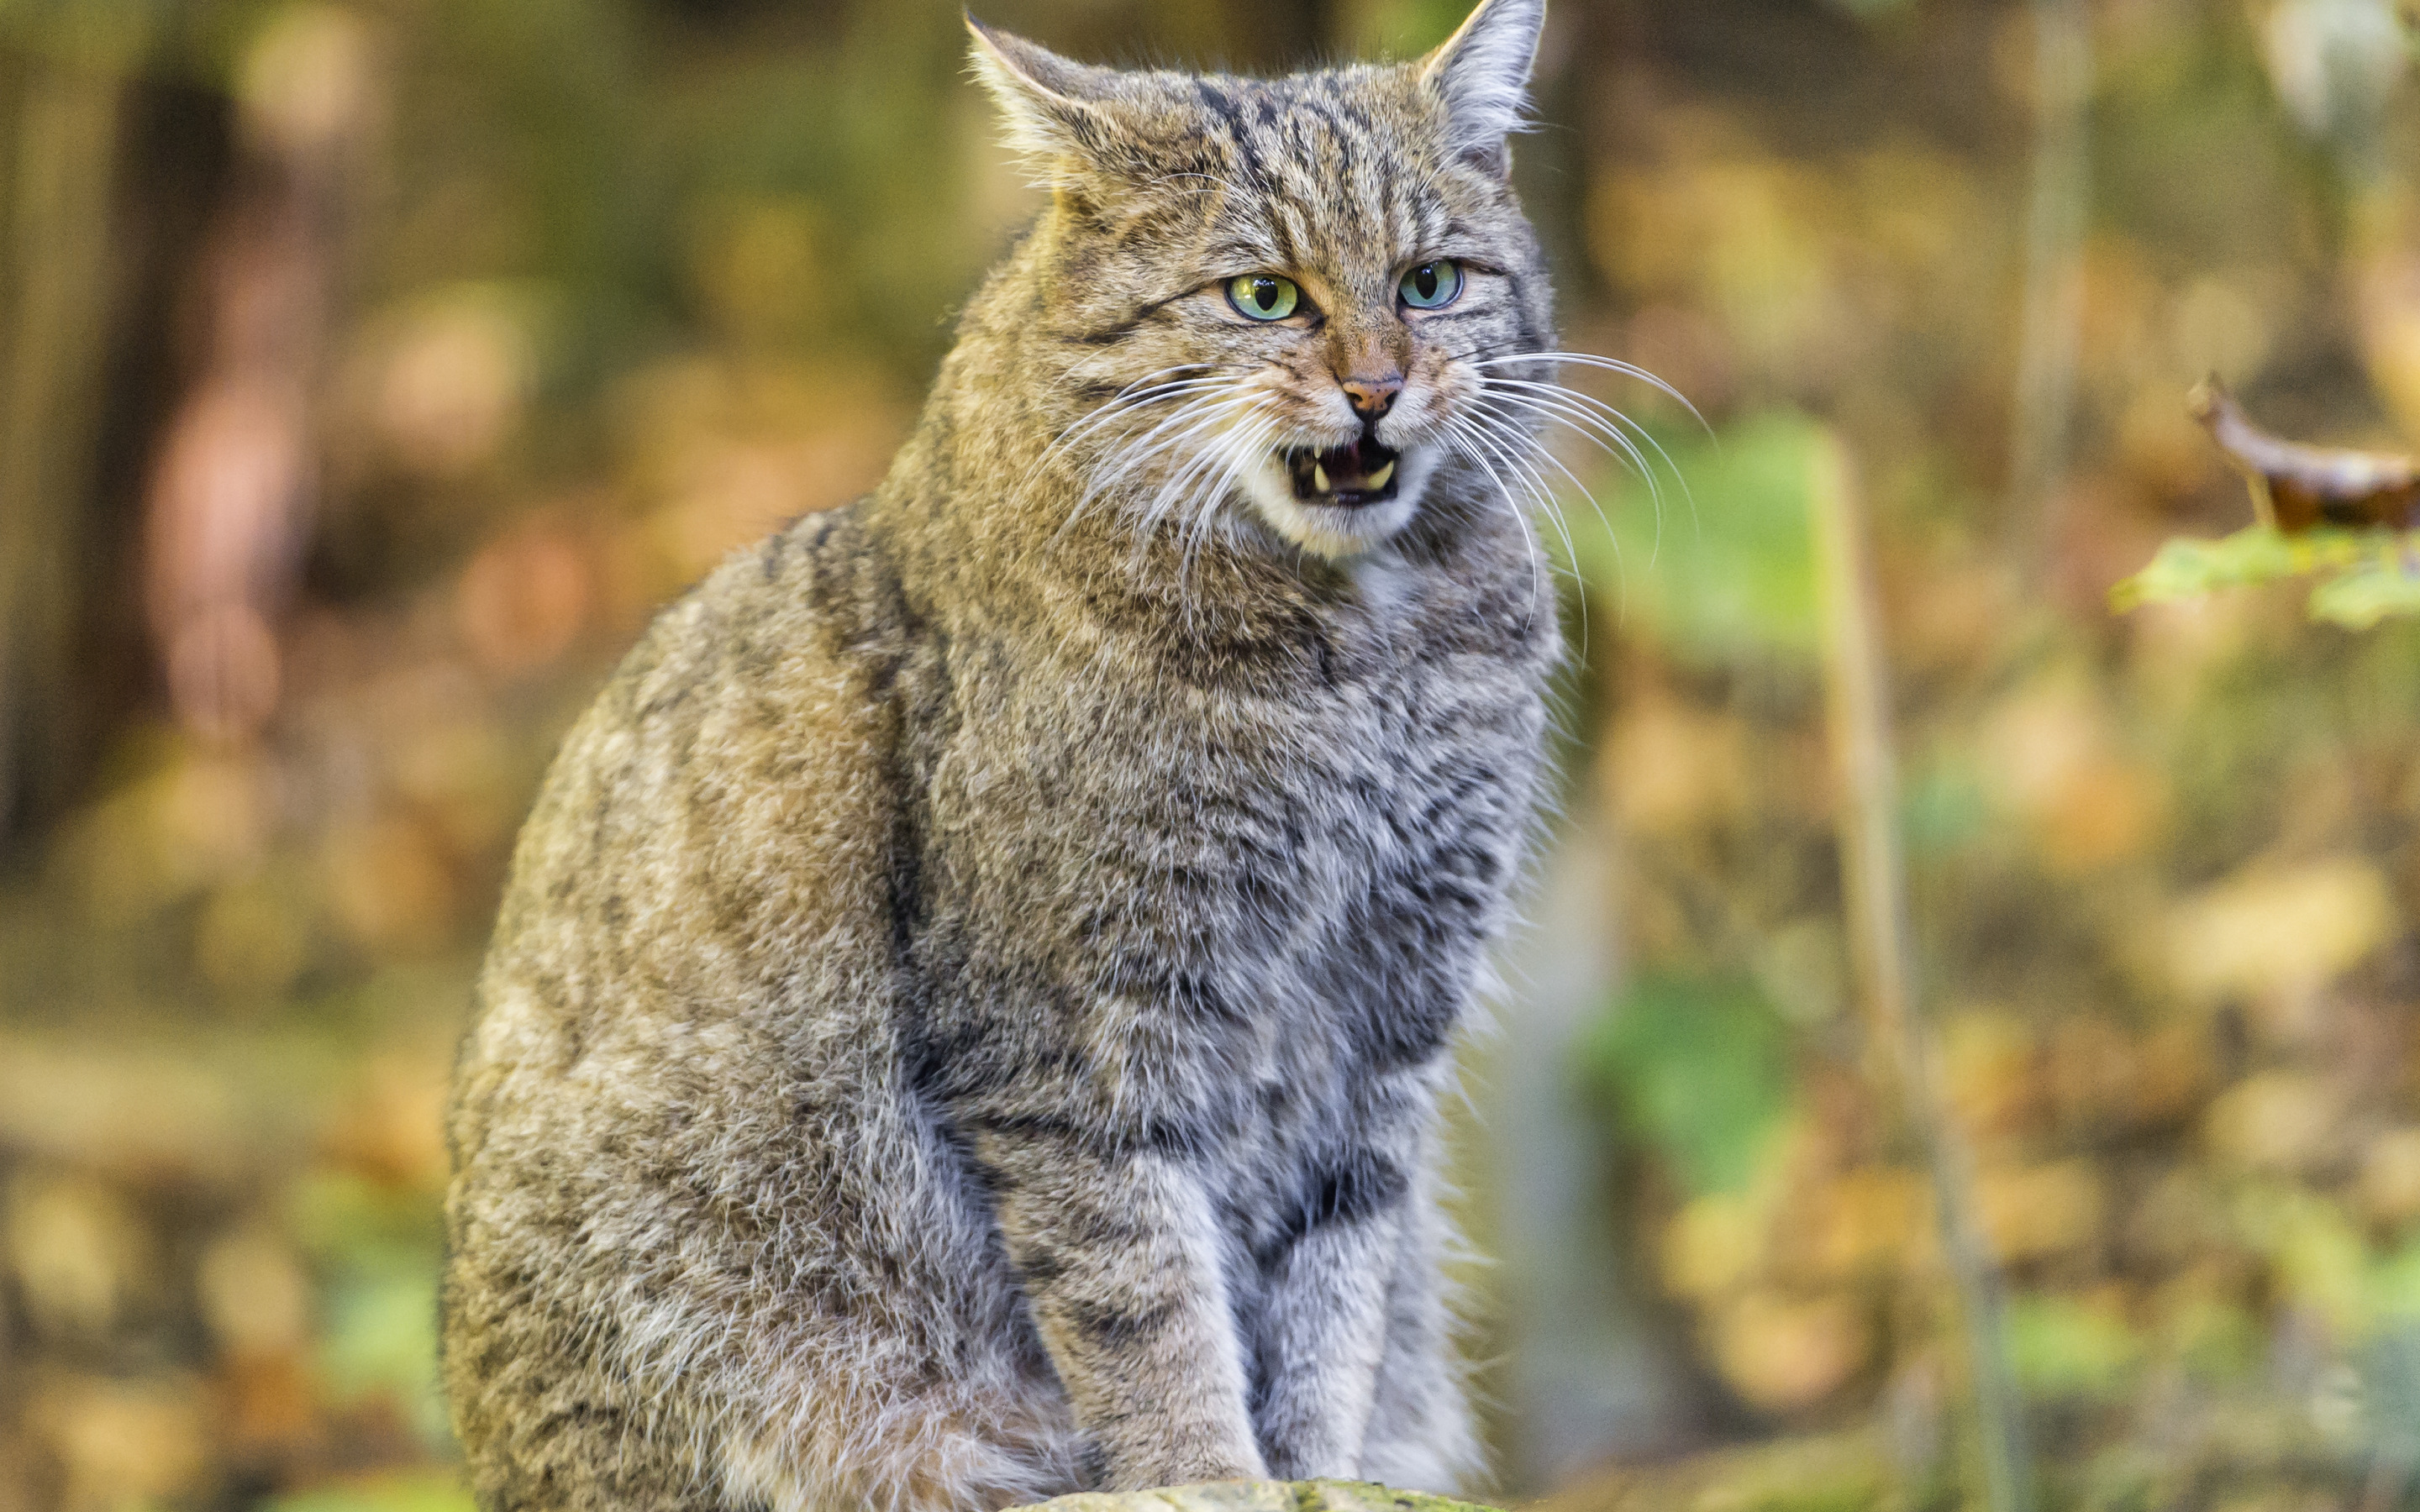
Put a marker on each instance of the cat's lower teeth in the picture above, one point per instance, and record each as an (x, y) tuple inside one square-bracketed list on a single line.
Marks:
[(1319, 477), (1378, 480)]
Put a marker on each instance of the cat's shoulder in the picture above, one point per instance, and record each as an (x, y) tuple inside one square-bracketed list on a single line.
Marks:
[(769, 682), (817, 600), (738, 763)]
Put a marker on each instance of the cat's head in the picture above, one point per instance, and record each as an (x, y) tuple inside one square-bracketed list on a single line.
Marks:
[(1298, 292)]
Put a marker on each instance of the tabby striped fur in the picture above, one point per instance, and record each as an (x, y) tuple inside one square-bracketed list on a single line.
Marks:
[(969, 1015)]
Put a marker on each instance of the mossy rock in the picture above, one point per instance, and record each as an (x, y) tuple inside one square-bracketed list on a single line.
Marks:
[(1261, 1496)]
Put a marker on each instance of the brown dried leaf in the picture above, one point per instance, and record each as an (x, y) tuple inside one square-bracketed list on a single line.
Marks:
[(2297, 487)]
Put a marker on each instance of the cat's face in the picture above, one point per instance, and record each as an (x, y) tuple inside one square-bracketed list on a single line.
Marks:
[(1286, 296)]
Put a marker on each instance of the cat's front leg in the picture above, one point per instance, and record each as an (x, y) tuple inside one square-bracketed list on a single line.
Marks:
[(1322, 1323), (1421, 1435), (1121, 1263)]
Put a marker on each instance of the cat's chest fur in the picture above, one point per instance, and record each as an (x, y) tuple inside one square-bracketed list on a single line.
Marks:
[(1232, 882)]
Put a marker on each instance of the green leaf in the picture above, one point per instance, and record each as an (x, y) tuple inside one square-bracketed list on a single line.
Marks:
[(2371, 591), (2377, 573), (2187, 568), (1699, 1070)]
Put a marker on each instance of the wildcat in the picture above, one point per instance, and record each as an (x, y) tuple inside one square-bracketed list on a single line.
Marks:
[(969, 1014)]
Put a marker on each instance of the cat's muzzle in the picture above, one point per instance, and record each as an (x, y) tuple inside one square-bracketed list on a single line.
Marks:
[(1361, 474)]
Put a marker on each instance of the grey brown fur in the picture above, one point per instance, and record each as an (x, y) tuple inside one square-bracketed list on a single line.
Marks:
[(969, 1015)]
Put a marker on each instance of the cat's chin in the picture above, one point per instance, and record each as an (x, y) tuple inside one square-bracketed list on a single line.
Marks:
[(1338, 532)]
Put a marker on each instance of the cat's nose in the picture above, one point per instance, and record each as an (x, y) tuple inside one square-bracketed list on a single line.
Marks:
[(1372, 396)]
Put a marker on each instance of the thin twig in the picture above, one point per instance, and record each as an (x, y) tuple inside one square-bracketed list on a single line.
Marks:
[(1881, 943), (2054, 223)]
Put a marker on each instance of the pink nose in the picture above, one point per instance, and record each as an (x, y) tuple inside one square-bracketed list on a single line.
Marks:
[(1370, 396)]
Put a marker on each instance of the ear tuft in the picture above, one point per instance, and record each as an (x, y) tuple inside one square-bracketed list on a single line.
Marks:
[(1481, 73), (1043, 115)]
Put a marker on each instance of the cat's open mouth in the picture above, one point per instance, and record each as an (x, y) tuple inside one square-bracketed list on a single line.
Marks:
[(1362, 473)]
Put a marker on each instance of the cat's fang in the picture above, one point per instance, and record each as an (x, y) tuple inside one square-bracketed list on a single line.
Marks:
[(1342, 476)]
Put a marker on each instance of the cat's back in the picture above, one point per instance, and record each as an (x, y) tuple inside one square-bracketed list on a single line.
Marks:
[(713, 839), (682, 1082)]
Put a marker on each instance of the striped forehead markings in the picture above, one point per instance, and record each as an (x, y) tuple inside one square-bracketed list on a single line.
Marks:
[(1331, 183), (1238, 136), (1285, 172), (1347, 159)]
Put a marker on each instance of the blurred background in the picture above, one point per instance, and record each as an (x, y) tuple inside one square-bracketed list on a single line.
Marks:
[(369, 371)]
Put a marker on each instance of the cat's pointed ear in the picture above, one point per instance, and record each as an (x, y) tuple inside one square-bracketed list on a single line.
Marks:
[(1482, 74), (1045, 113)]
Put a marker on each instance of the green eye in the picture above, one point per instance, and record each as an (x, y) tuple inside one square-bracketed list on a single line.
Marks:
[(1432, 285), (1263, 296)]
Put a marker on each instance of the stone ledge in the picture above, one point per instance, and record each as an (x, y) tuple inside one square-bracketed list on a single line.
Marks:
[(1259, 1496)]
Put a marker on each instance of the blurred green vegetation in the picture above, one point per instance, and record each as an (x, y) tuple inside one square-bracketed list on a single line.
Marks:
[(1696, 1071), (1729, 573)]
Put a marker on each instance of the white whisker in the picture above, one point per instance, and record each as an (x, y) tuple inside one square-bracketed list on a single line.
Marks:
[(1532, 481), (1626, 453), (1124, 405), (1207, 420), (1558, 464), (1594, 415), (1241, 448), (1554, 404), (1453, 437), (1515, 435), (1140, 394), (1167, 434), (1599, 413), (1522, 443), (1175, 487), (1610, 364)]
